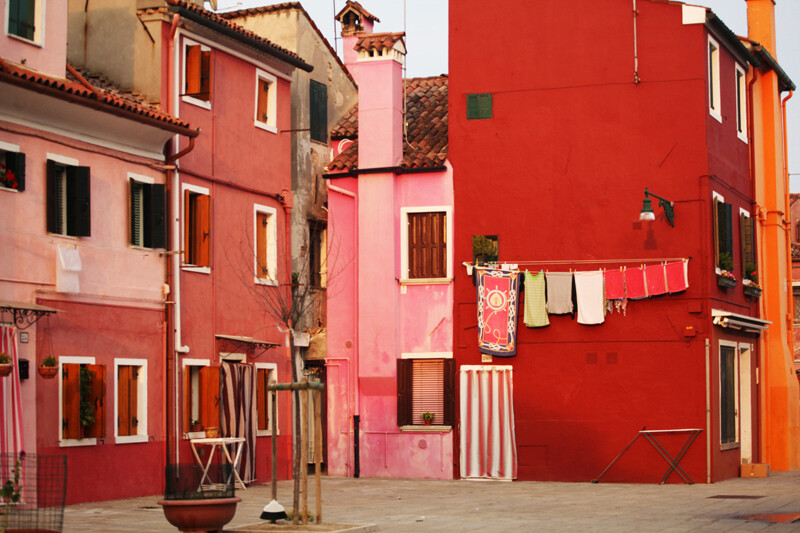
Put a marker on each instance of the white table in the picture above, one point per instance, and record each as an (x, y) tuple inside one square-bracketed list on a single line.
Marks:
[(222, 443)]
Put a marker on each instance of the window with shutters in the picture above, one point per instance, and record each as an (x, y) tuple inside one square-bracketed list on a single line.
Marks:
[(317, 253), (714, 107), (318, 108), (24, 18), (479, 106), (68, 197), (130, 404), (425, 234), (747, 235), (82, 401), (741, 104), (147, 212), (265, 246), (12, 168), (728, 394), (266, 101), (196, 227), (425, 385), (197, 77), (201, 393), (723, 235), (266, 373)]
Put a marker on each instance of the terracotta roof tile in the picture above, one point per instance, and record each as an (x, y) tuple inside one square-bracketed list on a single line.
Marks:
[(427, 138), (350, 4), (102, 96), (378, 41)]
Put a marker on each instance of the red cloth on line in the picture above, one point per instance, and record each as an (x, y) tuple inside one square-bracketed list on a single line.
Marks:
[(615, 284), (677, 276), (656, 282), (634, 283)]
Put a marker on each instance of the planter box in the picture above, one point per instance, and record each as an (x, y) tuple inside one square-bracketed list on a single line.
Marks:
[(755, 470), (726, 283), (752, 291)]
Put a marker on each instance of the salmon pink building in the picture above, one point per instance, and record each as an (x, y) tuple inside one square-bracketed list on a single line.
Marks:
[(609, 192), (390, 290)]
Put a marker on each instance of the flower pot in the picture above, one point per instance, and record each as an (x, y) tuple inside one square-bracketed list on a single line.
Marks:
[(755, 292), (194, 428), (5, 369), (212, 433), (428, 421), (726, 283), (48, 372), (199, 515)]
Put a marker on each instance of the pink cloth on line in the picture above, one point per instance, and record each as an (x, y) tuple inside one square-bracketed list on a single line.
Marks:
[(615, 284), (635, 284), (677, 276), (656, 282)]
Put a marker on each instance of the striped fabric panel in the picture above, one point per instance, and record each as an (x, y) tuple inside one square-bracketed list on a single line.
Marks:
[(11, 439), (239, 415), (535, 303)]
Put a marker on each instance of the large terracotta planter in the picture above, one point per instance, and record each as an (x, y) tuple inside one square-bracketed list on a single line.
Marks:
[(5, 369), (48, 372), (199, 515)]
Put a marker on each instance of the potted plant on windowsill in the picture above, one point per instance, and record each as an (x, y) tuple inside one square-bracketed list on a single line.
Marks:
[(5, 364), (725, 277), (427, 418), (195, 426), (750, 282), (48, 368)]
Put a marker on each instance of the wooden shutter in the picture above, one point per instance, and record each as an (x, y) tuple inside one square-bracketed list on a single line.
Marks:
[(427, 245), (748, 235), (70, 401), (205, 76), (472, 106), (97, 397), (135, 208), (449, 388), (52, 198), (78, 202), (404, 392), (727, 228), (318, 96), (261, 398), (262, 101), (209, 396), (156, 216), (427, 389), (15, 161), (262, 269), (485, 105), (192, 70), (203, 229), (123, 401), (188, 217)]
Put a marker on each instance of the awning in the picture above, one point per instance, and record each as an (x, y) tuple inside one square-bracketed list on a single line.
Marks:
[(250, 343), (747, 324), (23, 314)]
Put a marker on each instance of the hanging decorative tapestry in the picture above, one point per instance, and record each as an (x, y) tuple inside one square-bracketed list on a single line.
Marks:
[(498, 303)]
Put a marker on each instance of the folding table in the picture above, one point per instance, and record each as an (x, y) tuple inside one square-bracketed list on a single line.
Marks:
[(220, 442)]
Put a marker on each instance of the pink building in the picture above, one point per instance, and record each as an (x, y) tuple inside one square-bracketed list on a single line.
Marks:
[(390, 200), (82, 234)]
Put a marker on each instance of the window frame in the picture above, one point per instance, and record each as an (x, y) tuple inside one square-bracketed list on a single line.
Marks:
[(318, 121), (740, 79), (187, 400), (318, 253), (714, 101), (732, 402), (17, 164), (716, 200), (153, 212), (38, 21), (141, 401), (270, 245), (271, 104), (73, 198), (272, 370), (404, 243), (65, 442), (203, 49), (405, 387), (185, 264)]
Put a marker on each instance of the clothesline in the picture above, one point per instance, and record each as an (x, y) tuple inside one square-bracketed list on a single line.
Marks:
[(584, 261)]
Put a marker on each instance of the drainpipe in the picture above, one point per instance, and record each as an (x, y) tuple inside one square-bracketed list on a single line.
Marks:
[(788, 232), (708, 411)]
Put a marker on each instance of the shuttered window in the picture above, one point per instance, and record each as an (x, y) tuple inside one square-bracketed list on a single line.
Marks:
[(262, 102), (264, 376), (723, 231), (479, 106), (12, 170), (425, 385), (147, 215), (748, 236), (197, 74), (262, 245), (427, 245), (68, 200), (82, 401), (197, 229), (201, 396), (128, 400), (318, 95)]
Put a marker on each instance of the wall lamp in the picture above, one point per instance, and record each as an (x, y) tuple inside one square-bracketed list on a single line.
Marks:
[(647, 208)]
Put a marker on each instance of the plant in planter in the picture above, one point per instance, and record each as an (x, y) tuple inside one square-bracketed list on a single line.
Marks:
[(725, 275), (5, 364), (195, 426), (750, 281), (427, 418), (484, 249), (48, 367)]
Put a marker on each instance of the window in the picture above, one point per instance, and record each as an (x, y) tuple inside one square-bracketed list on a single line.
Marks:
[(68, 197), (748, 237), (131, 400), (266, 245), (12, 167), (425, 235), (266, 102), (82, 400), (317, 253), (714, 107), (479, 106), (197, 73), (425, 385), (201, 393), (741, 104), (796, 294), (728, 393), (196, 226), (22, 19), (266, 373), (723, 234), (147, 213), (318, 96)]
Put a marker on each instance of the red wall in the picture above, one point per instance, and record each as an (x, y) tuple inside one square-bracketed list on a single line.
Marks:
[(559, 173)]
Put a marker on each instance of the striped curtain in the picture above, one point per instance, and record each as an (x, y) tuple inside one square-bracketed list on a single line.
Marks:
[(11, 415), (239, 416), (488, 443)]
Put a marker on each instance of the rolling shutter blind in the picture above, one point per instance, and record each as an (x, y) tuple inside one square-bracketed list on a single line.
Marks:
[(427, 389), (404, 392), (97, 398), (70, 401), (427, 245), (261, 245)]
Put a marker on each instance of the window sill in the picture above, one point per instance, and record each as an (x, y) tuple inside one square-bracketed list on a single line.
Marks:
[(426, 429), (199, 270), (8, 189), (195, 101), (264, 281), (425, 281), (729, 446), (70, 443), (24, 40), (715, 114), (131, 439), (265, 126)]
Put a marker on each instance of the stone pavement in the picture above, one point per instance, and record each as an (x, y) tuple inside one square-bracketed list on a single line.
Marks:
[(432, 505)]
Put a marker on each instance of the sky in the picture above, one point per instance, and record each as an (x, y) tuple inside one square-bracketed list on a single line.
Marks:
[(425, 24)]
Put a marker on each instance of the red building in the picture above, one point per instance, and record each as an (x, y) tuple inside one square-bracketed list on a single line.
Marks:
[(559, 122)]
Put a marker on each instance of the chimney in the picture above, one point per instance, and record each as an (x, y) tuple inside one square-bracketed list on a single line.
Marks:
[(761, 24), (355, 21)]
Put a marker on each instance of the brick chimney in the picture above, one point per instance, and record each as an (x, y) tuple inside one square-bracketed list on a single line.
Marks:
[(761, 24)]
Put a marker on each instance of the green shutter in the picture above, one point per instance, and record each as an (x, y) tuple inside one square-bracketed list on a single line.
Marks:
[(472, 106), (318, 96), (135, 213), (479, 106), (52, 197), (79, 222), (156, 217)]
